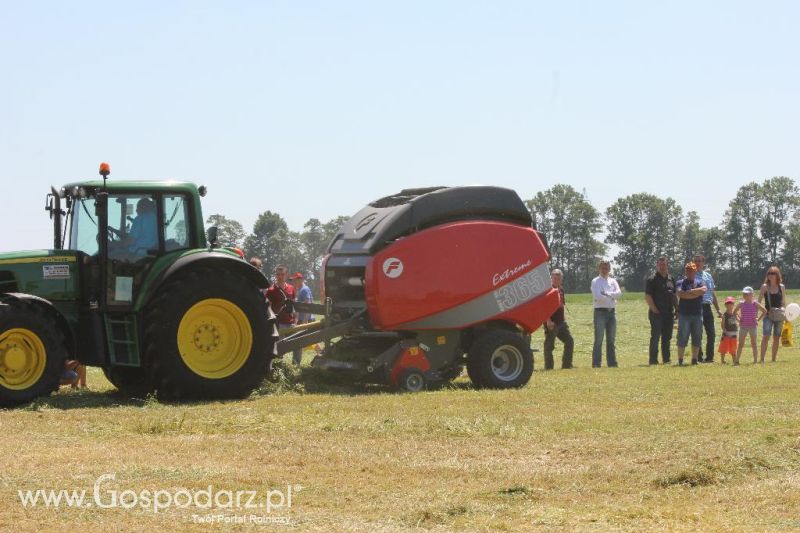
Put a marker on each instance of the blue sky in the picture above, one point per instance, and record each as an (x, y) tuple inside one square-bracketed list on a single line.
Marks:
[(313, 109)]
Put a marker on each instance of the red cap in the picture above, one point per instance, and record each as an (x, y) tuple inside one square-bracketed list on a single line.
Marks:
[(296, 275)]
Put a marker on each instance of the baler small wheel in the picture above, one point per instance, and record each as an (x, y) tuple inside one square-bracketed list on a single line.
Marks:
[(500, 359), (412, 380), (32, 353)]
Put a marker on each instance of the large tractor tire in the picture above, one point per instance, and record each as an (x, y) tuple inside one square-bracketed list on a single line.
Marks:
[(131, 382), (32, 353), (208, 334), (500, 359)]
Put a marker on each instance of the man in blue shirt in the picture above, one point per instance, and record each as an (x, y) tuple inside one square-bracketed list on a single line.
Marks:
[(690, 290), (143, 235), (303, 293), (140, 238), (709, 321)]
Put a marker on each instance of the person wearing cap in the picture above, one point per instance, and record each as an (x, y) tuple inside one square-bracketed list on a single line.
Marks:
[(709, 299), (303, 293), (730, 330), (748, 313), (556, 327), (690, 290), (659, 293), (605, 293)]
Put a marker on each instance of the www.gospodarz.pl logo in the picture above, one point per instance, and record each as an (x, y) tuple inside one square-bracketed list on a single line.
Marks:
[(104, 496)]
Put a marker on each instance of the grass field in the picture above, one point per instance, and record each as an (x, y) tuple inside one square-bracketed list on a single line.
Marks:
[(710, 447)]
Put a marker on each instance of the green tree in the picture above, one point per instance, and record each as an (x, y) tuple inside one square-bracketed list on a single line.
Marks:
[(779, 201), (741, 225), (570, 225), (643, 227), (692, 236), (710, 244), (229, 231), (315, 239), (268, 240)]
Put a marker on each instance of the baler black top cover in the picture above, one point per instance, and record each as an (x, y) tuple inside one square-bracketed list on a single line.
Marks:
[(411, 210)]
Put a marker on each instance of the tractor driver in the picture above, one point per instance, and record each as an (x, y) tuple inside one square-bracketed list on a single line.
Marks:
[(143, 235)]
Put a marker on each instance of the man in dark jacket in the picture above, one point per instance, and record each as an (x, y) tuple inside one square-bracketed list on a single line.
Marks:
[(557, 328), (659, 293)]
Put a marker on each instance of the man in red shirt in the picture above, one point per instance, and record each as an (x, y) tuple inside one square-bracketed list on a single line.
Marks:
[(280, 295)]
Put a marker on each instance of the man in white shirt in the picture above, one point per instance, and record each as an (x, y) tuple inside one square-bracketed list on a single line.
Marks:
[(605, 293)]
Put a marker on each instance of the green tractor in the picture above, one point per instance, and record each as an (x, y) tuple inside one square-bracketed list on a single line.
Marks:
[(134, 285)]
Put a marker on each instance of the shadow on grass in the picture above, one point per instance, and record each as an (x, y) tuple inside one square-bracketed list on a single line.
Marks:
[(284, 379), (85, 399)]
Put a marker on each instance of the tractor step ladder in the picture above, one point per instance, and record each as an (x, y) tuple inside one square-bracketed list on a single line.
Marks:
[(123, 340)]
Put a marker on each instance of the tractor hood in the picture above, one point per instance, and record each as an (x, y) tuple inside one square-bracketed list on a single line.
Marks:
[(50, 274)]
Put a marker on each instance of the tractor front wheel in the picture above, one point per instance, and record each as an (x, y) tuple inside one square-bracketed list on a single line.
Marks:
[(32, 353), (500, 359), (131, 382)]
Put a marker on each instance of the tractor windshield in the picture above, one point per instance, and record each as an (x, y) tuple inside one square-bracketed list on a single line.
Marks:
[(83, 232)]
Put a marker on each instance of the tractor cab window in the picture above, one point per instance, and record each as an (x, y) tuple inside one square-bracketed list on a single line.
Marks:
[(132, 226), (176, 236)]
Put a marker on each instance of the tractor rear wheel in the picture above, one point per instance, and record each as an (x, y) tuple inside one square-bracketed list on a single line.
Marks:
[(500, 359), (208, 334), (32, 353)]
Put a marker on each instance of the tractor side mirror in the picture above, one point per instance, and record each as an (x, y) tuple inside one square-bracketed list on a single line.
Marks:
[(212, 235)]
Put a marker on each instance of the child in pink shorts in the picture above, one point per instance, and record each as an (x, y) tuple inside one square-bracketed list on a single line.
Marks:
[(749, 313)]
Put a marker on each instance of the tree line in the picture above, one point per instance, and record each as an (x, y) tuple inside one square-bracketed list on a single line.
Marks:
[(761, 227), (275, 244)]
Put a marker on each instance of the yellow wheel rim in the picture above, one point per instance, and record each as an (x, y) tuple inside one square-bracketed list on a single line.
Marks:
[(215, 338), (22, 358)]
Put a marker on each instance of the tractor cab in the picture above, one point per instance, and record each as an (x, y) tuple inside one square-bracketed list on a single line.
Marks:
[(121, 230)]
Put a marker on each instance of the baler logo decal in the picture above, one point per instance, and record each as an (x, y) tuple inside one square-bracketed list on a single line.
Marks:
[(509, 273), (366, 221), (392, 267)]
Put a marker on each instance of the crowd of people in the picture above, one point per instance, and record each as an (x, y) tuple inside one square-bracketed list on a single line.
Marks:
[(692, 302), (282, 295)]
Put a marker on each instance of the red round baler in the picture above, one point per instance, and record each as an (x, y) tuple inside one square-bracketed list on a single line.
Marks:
[(425, 282)]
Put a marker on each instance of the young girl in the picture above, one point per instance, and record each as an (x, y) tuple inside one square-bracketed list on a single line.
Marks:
[(773, 295), (730, 329), (748, 314)]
